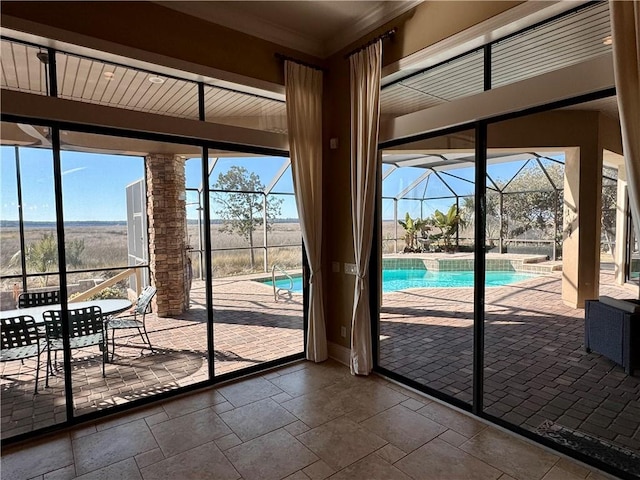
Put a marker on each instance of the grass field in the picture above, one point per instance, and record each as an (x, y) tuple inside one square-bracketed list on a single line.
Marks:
[(105, 246)]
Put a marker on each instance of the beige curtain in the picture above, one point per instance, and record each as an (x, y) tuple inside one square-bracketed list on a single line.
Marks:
[(365, 114), (625, 25), (303, 87)]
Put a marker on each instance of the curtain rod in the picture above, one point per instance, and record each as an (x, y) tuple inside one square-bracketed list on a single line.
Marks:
[(387, 34), (280, 56)]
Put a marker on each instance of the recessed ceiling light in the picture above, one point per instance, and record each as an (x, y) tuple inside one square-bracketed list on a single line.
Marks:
[(608, 40), (108, 74), (156, 79)]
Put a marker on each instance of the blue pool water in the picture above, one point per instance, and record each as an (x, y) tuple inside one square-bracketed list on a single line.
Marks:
[(394, 280)]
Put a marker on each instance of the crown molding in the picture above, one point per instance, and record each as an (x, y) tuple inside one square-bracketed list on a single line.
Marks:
[(230, 17), (376, 17)]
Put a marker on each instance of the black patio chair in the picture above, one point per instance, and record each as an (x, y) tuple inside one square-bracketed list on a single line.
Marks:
[(19, 341), (36, 299), (137, 320), (86, 329)]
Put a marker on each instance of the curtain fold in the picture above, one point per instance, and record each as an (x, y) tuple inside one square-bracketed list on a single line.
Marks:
[(303, 88), (625, 26), (365, 68)]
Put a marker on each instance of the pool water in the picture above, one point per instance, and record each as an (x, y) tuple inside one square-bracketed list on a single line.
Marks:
[(401, 279)]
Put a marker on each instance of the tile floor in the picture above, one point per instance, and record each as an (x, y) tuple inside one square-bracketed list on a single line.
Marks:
[(303, 421)]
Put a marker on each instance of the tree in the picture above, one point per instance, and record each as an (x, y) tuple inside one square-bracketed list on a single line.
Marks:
[(411, 228), (42, 256), (242, 204), (448, 224)]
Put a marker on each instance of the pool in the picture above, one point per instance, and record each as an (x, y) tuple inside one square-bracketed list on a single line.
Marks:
[(401, 279)]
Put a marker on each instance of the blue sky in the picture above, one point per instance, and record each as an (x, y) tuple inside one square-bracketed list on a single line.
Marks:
[(94, 184)]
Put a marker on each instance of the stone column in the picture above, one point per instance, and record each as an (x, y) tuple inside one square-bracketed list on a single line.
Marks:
[(166, 209), (582, 211)]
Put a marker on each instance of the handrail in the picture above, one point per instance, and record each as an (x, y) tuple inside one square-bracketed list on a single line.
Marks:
[(277, 290), (107, 283)]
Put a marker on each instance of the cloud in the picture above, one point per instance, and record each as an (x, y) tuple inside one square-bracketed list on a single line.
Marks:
[(73, 170)]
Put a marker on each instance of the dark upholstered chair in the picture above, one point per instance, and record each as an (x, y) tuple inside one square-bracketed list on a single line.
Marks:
[(612, 329), (35, 299)]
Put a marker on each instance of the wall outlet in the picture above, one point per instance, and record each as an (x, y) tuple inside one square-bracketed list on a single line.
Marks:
[(335, 267), (350, 269), (343, 332)]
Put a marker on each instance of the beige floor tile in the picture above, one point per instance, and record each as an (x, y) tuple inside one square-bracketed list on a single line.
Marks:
[(403, 428), (317, 408), (248, 391), (296, 428), (371, 467), (157, 418), (318, 470), (511, 455), (83, 431), (390, 454), (453, 438), (257, 418), (228, 441), (270, 457), (307, 380), (37, 458), (192, 403), (189, 431), (64, 473), (127, 418), (438, 460), (341, 442), (113, 445), (125, 469), (573, 467), (299, 475), (557, 473), (413, 404), (504, 476), (222, 407), (148, 458), (452, 419), (205, 462), (368, 396)]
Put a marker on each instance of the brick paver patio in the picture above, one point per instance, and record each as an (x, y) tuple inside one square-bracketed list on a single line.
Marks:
[(536, 368), (250, 328)]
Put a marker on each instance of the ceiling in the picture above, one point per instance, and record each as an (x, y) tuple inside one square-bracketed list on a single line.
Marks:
[(318, 28)]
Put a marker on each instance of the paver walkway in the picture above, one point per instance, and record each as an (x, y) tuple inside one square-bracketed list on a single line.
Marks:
[(536, 368)]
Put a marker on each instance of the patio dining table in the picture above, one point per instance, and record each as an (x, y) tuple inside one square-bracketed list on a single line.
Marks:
[(108, 307)]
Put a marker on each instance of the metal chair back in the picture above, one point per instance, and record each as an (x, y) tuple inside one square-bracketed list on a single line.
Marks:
[(144, 300), (17, 332), (36, 299), (82, 322)]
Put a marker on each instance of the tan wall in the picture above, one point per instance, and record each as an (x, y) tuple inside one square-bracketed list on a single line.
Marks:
[(423, 26)]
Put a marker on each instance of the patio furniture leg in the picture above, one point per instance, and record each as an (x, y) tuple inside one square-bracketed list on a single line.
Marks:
[(147, 335), (48, 368), (37, 371), (113, 343)]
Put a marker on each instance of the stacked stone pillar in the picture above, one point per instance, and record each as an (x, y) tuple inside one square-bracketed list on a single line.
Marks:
[(166, 210)]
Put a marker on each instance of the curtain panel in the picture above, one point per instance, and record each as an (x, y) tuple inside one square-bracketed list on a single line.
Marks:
[(365, 68), (625, 26), (303, 88)]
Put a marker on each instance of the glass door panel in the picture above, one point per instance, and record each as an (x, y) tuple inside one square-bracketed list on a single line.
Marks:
[(427, 311)]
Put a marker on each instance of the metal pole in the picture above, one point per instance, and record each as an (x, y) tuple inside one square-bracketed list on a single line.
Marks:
[(395, 225), (479, 268), (555, 225), (23, 258), (264, 229), (501, 215), (208, 262), (457, 213)]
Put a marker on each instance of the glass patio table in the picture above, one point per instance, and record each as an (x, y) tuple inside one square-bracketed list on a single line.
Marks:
[(108, 307)]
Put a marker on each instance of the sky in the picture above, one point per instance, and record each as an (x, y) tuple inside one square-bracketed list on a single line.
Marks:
[(94, 184)]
